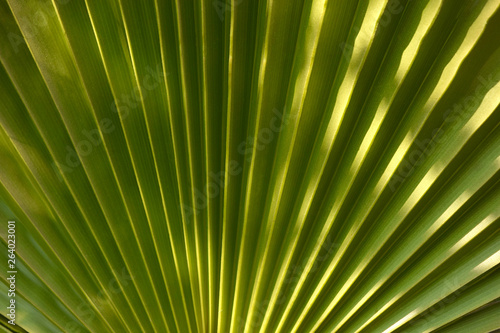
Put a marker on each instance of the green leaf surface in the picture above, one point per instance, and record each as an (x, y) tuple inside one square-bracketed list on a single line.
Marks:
[(250, 166)]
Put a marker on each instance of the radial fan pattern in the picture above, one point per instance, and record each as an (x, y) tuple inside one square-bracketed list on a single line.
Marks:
[(241, 166)]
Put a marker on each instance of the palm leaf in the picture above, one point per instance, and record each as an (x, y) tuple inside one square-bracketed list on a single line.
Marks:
[(250, 166)]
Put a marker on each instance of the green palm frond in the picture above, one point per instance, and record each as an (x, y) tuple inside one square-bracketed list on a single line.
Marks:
[(248, 166)]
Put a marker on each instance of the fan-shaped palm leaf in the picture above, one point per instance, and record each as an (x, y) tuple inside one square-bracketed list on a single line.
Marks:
[(250, 166)]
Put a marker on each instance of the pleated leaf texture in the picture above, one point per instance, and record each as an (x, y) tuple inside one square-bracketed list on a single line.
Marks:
[(287, 166)]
